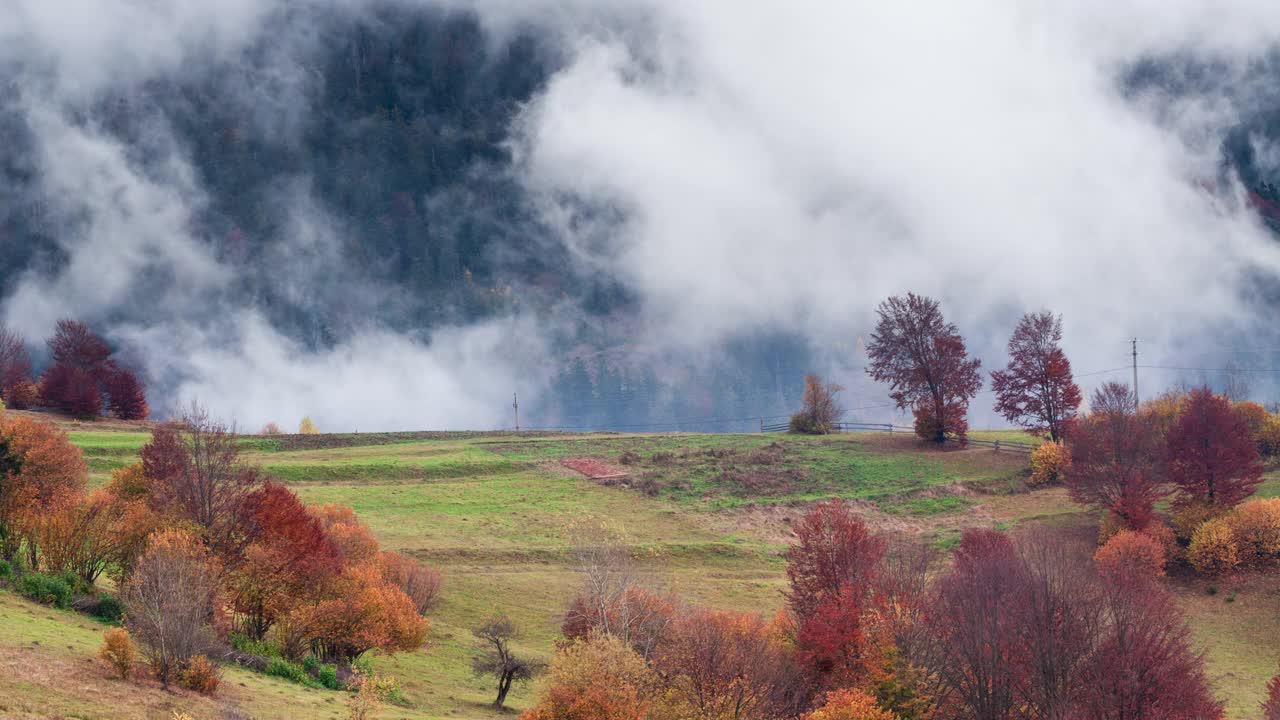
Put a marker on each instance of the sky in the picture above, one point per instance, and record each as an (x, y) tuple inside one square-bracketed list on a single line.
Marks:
[(766, 166)]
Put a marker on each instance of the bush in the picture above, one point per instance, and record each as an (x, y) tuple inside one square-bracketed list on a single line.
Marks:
[(6, 570), (328, 677), (201, 675), (118, 651), (1256, 528), (1131, 554), (22, 395), (850, 704), (1213, 548), (1049, 464), (1189, 518), (46, 589), (109, 608), (1269, 437), (281, 668)]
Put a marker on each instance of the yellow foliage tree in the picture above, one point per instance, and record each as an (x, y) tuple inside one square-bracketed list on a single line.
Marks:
[(850, 704), (307, 427), (1049, 464), (1213, 548)]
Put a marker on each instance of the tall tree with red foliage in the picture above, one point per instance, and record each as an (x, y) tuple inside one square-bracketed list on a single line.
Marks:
[(1114, 451), (923, 358), (74, 382), (291, 554), (834, 552), (831, 569), (977, 655), (124, 390), (1144, 667), (15, 371), (1211, 456), (1036, 389)]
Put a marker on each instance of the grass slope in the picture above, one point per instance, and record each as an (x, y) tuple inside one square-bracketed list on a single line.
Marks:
[(492, 511)]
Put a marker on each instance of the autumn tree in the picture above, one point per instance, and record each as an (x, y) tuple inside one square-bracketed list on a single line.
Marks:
[(87, 536), (1114, 450), (820, 410), (169, 601), (127, 399), (1211, 456), (1143, 666), (597, 678), (198, 478), (16, 388), (353, 538), (495, 657), (614, 598), (831, 569), (728, 666), (74, 382), (356, 612), (850, 704), (1036, 390), (40, 472), (923, 359), (834, 550), (976, 655), (290, 554)]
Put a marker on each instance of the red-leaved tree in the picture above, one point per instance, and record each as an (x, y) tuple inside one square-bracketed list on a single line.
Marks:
[(1271, 706), (15, 371), (1036, 389), (923, 359), (74, 382), (834, 551), (1211, 456), (1144, 667), (1113, 458), (831, 569), (290, 556), (124, 390)]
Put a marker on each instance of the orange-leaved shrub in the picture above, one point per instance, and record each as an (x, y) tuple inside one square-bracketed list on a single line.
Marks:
[(850, 704), (597, 678), (118, 651), (1255, 525), (1049, 464), (201, 675), (1130, 554), (1213, 548)]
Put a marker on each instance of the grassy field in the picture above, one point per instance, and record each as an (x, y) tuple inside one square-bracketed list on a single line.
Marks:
[(708, 514)]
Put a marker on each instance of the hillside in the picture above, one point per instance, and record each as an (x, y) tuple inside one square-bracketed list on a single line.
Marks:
[(709, 513)]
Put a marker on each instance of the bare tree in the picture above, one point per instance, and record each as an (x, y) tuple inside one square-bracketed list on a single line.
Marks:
[(496, 657), (169, 601), (615, 598), (199, 478), (820, 410)]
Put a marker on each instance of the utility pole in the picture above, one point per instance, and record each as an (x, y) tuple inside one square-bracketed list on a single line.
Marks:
[(515, 405), (1135, 374)]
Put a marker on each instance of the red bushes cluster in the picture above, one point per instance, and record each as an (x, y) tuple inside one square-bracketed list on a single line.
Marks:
[(1010, 628), (82, 380)]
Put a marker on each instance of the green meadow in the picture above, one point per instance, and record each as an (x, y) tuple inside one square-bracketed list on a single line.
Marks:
[(706, 515)]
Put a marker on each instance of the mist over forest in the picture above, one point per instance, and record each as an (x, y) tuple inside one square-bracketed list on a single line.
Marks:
[(392, 214)]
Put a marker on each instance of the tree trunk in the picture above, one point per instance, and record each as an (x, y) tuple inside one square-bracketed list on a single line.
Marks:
[(504, 686)]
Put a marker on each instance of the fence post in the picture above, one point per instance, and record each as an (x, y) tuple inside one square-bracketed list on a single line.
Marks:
[(762, 424), (997, 446)]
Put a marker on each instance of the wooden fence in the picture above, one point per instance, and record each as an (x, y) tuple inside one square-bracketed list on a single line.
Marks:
[(997, 445)]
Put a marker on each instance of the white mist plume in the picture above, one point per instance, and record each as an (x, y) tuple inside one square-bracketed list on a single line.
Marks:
[(773, 166)]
